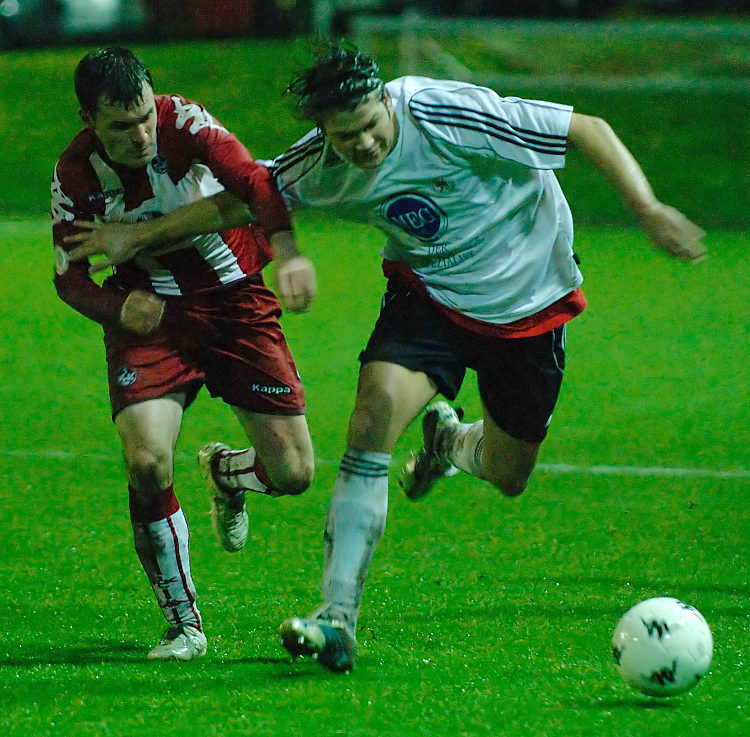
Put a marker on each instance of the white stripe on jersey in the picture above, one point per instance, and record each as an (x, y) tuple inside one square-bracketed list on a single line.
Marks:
[(62, 205), (198, 182)]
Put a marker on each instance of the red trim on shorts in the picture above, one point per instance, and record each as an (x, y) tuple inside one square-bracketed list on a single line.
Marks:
[(551, 317)]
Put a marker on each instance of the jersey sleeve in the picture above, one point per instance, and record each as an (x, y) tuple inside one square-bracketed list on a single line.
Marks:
[(72, 199), (476, 121), (289, 168), (195, 129)]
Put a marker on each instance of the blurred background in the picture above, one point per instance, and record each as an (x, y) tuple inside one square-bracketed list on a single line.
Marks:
[(29, 23), (671, 76)]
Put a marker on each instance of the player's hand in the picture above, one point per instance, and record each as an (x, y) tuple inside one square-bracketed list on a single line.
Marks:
[(118, 242), (671, 231), (142, 312), (295, 283)]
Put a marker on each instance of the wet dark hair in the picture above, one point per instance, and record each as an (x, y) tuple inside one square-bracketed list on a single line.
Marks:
[(114, 74), (339, 79)]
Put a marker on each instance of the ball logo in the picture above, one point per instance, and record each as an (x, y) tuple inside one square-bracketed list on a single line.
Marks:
[(419, 216)]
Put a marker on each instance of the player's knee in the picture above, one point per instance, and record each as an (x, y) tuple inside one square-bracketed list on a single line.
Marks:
[(296, 484), (370, 422), (149, 470), (295, 478), (509, 484)]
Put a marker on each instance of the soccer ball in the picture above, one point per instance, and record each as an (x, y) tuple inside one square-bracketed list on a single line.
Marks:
[(662, 646)]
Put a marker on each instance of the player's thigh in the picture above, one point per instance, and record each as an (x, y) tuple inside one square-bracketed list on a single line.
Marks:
[(389, 397), (519, 383), (507, 462), (148, 432), (283, 444), (250, 365)]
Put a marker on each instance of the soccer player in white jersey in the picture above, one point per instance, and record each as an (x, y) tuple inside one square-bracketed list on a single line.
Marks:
[(194, 312), (481, 275)]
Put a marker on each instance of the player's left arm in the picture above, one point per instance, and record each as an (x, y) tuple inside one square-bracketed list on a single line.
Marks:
[(666, 227), (120, 242)]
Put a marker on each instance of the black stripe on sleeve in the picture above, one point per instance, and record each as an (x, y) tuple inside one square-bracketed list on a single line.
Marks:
[(490, 125), (310, 150)]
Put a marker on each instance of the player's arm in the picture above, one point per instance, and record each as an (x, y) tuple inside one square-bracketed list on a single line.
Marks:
[(120, 242), (136, 311), (295, 280), (665, 226)]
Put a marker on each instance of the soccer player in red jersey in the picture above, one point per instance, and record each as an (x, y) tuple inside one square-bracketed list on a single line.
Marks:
[(194, 312)]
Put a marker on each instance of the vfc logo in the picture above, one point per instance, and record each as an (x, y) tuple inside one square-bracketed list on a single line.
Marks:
[(417, 215)]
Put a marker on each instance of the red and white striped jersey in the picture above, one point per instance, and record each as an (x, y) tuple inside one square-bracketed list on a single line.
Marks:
[(468, 198), (195, 157)]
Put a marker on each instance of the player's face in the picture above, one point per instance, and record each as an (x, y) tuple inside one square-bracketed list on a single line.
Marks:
[(363, 136), (128, 134)]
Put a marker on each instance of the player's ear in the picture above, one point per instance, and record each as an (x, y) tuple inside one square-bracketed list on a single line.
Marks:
[(86, 117)]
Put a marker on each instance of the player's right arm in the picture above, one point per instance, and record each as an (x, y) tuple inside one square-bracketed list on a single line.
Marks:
[(666, 227), (137, 311)]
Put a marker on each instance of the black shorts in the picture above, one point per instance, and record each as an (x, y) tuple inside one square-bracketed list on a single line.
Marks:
[(519, 378)]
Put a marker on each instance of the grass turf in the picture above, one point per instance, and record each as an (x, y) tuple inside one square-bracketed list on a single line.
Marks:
[(482, 615)]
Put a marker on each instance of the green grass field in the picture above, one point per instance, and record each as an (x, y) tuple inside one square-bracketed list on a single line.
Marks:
[(482, 615)]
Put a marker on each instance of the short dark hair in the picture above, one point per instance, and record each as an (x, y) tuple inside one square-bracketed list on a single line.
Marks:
[(115, 74), (339, 79)]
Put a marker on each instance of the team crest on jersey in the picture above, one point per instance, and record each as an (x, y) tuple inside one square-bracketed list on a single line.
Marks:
[(443, 186), (160, 164), (126, 376), (418, 215)]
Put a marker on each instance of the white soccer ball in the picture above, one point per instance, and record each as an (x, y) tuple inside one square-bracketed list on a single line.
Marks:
[(662, 646)]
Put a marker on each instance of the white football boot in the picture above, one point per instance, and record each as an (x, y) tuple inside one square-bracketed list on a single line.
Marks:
[(228, 511), (180, 642)]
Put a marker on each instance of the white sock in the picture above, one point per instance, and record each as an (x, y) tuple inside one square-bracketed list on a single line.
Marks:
[(355, 522), (463, 445), (162, 548), (241, 470)]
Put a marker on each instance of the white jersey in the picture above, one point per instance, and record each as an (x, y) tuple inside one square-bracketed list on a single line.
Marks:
[(468, 198)]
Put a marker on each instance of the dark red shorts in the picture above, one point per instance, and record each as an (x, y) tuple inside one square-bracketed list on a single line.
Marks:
[(230, 341)]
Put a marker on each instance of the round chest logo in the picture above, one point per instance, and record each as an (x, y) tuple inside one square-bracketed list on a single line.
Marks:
[(417, 215), (125, 377), (159, 164)]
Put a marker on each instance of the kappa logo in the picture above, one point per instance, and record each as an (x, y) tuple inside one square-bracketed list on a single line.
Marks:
[(126, 377), (265, 389), (443, 185), (419, 216)]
